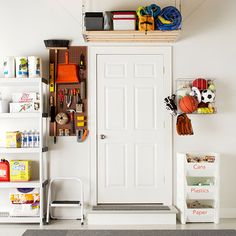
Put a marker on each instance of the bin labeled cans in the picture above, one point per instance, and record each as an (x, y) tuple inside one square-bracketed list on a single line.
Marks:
[(9, 67), (34, 66), (21, 67)]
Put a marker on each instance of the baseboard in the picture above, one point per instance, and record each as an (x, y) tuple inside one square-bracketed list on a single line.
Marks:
[(227, 212)]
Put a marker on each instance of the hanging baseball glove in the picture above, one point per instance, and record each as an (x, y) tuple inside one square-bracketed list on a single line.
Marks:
[(183, 125)]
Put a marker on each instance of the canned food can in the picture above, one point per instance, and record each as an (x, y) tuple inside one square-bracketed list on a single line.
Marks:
[(9, 67), (21, 67), (35, 66)]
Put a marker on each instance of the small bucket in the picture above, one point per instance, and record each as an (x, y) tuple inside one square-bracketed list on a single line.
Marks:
[(34, 66), (9, 67), (21, 67)]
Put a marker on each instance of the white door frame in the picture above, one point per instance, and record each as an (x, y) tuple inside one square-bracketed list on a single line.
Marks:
[(94, 51)]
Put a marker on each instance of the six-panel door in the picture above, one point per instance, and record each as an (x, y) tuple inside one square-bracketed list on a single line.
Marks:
[(130, 116)]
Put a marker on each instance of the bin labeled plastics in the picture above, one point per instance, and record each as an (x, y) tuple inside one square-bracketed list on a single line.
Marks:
[(34, 66), (9, 67), (21, 67)]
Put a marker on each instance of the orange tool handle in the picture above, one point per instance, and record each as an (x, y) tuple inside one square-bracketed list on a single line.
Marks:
[(67, 57)]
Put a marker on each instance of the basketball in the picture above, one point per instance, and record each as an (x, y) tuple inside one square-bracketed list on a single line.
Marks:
[(188, 104)]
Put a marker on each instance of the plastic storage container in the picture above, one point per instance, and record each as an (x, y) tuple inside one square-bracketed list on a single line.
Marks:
[(124, 20)]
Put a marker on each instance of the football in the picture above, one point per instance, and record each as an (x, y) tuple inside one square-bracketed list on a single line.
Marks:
[(207, 96)]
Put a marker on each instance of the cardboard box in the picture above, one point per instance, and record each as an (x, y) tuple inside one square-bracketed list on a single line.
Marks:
[(20, 170), (25, 97), (13, 139), (24, 107)]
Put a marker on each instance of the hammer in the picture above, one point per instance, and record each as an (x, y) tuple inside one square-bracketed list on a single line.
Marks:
[(72, 111)]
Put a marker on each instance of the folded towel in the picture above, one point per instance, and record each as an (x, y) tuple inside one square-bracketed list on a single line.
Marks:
[(169, 19), (141, 11), (153, 10)]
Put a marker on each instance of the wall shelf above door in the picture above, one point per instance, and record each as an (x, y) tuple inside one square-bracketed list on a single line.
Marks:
[(123, 36)]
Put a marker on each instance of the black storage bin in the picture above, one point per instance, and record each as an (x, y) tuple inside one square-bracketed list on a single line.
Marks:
[(93, 20)]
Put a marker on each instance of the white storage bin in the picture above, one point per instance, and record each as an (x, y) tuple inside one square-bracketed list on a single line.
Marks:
[(200, 215), (200, 169), (200, 192), (198, 182), (124, 23)]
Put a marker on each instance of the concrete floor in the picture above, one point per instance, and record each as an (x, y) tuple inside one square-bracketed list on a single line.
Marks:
[(19, 229)]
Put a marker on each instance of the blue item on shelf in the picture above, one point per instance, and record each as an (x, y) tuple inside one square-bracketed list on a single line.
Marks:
[(153, 10), (170, 14)]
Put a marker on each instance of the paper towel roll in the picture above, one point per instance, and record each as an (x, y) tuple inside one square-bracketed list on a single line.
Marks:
[(21, 67), (35, 66), (9, 67)]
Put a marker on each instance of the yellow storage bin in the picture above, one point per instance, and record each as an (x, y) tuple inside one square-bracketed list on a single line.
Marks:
[(20, 170)]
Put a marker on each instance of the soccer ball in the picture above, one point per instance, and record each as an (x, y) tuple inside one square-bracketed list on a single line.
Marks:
[(207, 96)]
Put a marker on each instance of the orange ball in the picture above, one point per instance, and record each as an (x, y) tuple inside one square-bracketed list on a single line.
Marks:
[(188, 104)]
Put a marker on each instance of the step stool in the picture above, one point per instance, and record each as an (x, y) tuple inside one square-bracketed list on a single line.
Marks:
[(65, 203)]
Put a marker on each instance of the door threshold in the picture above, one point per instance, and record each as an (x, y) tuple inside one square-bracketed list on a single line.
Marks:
[(130, 207)]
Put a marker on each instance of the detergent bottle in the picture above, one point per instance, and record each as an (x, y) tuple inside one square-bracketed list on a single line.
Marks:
[(4, 170)]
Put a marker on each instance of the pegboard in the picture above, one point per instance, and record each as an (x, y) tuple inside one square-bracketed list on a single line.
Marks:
[(74, 58)]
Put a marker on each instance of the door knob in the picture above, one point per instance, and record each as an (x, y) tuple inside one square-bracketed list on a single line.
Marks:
[(102, 136)]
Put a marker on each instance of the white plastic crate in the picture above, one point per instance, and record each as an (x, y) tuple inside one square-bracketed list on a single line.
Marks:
[(200, 215), (201, 192)]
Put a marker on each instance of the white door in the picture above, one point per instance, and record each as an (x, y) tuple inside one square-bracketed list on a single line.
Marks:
[(131, 159)]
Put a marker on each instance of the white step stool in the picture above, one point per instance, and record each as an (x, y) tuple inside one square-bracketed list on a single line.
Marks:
[(65, 203)]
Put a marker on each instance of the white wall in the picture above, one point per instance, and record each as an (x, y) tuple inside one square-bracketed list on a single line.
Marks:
[(206, 48)]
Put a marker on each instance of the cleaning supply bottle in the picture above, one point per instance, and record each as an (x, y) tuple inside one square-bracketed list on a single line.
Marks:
[(4, 170)]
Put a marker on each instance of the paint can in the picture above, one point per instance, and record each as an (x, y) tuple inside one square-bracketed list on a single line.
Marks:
[(21, 67), (9, 67), (35, 66)]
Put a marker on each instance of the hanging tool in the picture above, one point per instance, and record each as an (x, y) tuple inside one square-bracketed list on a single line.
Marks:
[(69, 98), (72, 119), (81, 66), (55, 99), (51, 77), (62, 118), (67, 73), (74, 94), (61, 98), (82, 90), (81, 135), (79, 107), (52, 109), (56, 44)]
